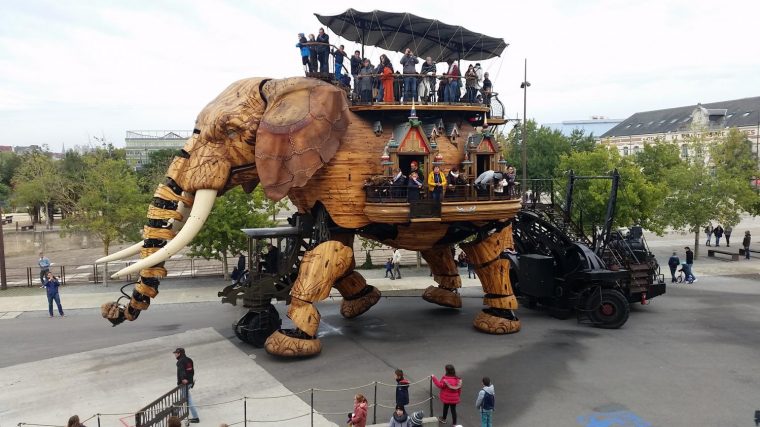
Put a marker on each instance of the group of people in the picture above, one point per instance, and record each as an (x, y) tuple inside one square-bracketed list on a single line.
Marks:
[(381, 83), (687, 266), (450, 393), (719, 232), (437, 182), (315, 52), (393, 265)]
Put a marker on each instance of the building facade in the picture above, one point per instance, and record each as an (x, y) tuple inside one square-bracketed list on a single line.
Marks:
[(597, 126), (678, 125), (140, 143)]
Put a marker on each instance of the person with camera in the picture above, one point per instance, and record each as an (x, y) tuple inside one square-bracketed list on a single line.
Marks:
[(51, 285), (409, 61), (186, 380)]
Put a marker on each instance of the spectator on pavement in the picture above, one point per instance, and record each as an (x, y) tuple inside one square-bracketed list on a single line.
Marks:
[(402, 390), (396, 263), (51, 285), (74, 422), (746, 242), (673, 263), (399, 418), (708, 232), (450, 394), (44, 263), (389, 268), (416, 418), (718, 233), (485, 403), (186, 380), (689, 265), (727, 233), (359, 416)]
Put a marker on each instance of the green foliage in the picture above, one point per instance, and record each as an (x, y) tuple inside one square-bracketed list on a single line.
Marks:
[(9, 162), (710, 188), (579, 141), (545, 147), (657, 159), (154, 173), (221, 236), (367, 246), (109, 205), (37, 183), (638, 201)]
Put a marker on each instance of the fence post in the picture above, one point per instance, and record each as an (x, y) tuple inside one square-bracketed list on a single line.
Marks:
[(95, 274), (29, 277), (374, 406), (312, 407), (105, 274), (431, 397), (245, 412), (192, 267), (98, 420), (63, 275)]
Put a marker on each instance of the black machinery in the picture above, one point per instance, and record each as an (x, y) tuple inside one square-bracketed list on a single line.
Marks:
[(558, 267)]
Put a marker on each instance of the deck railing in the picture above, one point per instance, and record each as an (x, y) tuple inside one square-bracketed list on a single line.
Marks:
[(467, 192)]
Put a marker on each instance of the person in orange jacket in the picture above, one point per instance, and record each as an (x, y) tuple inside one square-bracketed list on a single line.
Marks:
[(436, 183)]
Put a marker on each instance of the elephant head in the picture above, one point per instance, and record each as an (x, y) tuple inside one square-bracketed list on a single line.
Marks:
[(276, 133)]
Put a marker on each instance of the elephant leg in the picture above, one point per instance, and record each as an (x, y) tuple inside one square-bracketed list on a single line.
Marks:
[(319, 269), (493, 272), (358, 296), (446, 274)]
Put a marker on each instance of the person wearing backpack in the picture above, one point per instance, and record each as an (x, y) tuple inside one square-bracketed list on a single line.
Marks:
[(485, 403)]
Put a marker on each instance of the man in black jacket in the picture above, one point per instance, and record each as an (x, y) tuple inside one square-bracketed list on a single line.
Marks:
[(185, 379)]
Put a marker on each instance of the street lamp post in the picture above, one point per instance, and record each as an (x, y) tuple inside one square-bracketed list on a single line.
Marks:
[(524, 86)]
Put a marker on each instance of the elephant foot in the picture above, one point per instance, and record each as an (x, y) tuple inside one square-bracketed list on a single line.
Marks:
[(292, 343), (359, 304), (443, 297), (497, 321)]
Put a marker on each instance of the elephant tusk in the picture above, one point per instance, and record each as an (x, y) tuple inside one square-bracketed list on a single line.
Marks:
[(204, 201), (124, 253), (135, 249)]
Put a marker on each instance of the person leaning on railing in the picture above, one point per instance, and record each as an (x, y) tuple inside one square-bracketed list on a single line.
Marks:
[(427, 82), (365, 81)]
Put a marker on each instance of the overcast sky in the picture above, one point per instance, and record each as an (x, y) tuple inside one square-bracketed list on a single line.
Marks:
[(73, 70)]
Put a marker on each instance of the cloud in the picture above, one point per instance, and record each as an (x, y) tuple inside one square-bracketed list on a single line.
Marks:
[(77, 69)]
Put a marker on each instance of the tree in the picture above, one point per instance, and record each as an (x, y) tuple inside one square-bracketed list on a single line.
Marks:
[(657, 159), (707, 188), (154, 172), (221, 235), (638, 201), (110, 205), (579, 141), (544, 148), (37, 183)]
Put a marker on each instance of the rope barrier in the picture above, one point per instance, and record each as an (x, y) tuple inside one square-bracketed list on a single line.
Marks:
[(277, 421), (408, 404), (239, 399), (344, 389), (427, 378)]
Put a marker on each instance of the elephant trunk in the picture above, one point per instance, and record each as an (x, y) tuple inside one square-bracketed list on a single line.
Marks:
[(168, 210)]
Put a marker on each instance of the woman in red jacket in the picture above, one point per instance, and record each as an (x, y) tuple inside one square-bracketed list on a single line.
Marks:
[(451, 390), (359, 416)]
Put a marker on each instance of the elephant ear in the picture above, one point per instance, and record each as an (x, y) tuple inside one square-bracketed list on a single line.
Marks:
[(300, 131)]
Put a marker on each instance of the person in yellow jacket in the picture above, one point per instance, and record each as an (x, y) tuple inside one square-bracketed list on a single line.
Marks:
[(436, 183)]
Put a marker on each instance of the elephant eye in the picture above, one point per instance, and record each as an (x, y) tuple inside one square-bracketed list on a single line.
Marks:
[(232, 133)]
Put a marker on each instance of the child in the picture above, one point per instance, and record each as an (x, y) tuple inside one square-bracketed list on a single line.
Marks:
[(399, 418), (402, 390), (389, 268), (485, 403), (451, 391)]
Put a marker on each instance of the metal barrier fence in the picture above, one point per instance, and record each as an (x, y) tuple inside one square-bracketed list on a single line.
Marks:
[(94, 274), (158, 412), (149, 416)]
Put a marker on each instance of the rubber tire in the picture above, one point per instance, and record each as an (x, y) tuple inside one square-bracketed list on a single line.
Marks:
[(258, 326), (611, 299), (679, 279)]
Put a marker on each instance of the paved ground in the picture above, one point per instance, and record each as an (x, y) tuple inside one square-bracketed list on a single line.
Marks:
[(689, 358)]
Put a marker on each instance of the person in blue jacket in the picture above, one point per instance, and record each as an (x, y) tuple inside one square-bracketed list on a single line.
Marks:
[(305, 51), (51, 286)]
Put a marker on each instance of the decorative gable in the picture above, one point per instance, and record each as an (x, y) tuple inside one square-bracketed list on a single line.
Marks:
[(414, 141), (486, 146)]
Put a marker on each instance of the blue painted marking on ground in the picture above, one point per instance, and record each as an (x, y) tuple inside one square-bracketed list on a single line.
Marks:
[(613, 419)]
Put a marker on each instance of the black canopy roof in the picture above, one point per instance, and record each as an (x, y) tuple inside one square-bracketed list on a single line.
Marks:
[(426, 37)]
